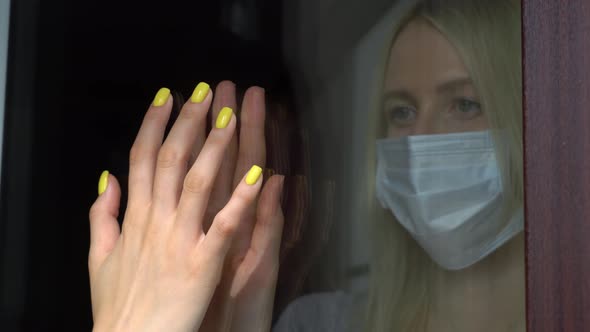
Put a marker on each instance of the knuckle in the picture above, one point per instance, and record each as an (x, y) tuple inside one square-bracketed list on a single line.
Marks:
[(196, 183), (212, 209), (241, 199), (169, 157), (189, 115), (138, 153), (224, 225), (94, 212)]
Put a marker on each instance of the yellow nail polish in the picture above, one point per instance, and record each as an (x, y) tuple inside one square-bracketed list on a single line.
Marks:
[(200, 92), (224, 117), (161, 97), (253, 175), (103, 182)]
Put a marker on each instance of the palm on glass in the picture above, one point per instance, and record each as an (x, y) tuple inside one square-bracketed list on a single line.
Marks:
[(194, 228)]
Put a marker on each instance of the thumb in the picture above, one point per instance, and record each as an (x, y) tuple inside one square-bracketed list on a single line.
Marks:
[(104, 227)]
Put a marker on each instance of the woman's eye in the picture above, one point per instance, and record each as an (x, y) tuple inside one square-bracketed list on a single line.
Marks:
[(467, 109), (402, 116)]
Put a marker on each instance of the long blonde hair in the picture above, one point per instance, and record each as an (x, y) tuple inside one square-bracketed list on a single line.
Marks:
[(486, 35)]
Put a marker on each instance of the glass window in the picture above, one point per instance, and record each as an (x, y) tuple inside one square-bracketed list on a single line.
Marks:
[(397, 126)]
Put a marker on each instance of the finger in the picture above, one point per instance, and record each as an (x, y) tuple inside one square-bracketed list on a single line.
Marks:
[(263, 254), (200, 141), (266, 238), (142, 158), (104, 227), (225, 95), (252, 310), (200, 178), (252, 149), (173, 157), (218, 239)]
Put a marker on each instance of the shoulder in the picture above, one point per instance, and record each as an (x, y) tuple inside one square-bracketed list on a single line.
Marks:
[(317, 312)]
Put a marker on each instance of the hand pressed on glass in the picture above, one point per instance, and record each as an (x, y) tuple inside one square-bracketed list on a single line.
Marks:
[(161, 271)]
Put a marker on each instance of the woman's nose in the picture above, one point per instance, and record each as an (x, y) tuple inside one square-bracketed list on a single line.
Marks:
[(426, 124)]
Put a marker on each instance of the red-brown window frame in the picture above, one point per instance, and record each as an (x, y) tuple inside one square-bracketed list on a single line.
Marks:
[(556, 63)]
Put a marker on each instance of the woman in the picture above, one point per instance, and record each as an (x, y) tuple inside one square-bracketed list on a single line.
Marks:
[(451, 89), (452, 72)]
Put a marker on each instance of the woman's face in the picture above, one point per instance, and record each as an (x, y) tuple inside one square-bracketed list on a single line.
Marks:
[(427, 87)]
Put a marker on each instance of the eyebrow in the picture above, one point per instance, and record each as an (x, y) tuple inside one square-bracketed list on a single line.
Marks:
[(402, 95), (454, 84), (443, 88)]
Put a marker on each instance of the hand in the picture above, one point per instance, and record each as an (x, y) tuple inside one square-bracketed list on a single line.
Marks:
[(160, 272), (244, 298)]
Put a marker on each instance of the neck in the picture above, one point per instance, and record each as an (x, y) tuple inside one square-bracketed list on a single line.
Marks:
[(488, 296)]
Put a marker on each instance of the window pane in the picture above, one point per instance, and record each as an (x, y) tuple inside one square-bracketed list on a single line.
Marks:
[(397, 126)]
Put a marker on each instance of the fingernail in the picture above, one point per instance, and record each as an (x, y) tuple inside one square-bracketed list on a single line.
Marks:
[(200, 92), (253, 175), (161, 97), (103, 182), (223, 117)]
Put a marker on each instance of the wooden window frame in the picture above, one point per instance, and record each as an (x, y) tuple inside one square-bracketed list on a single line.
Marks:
[(556, 74)]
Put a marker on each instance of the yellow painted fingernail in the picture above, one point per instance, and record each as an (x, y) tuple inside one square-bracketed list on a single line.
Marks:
[(253, 175), (161, 97), (224, 117), (103, 182), (200, 92)]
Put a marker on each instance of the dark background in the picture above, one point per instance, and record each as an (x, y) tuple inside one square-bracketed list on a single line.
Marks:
[(80, 77)]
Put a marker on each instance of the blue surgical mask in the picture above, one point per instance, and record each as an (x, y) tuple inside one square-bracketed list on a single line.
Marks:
[(446, 191)]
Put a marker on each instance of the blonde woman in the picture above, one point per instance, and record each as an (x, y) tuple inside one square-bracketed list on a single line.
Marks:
[(447, 188), (447, 193)]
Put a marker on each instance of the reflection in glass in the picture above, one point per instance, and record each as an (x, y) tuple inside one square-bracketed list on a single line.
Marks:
[(445, 177), (449, 173)]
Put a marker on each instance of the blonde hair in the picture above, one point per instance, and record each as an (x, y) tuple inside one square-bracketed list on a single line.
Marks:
[(486, 35)]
